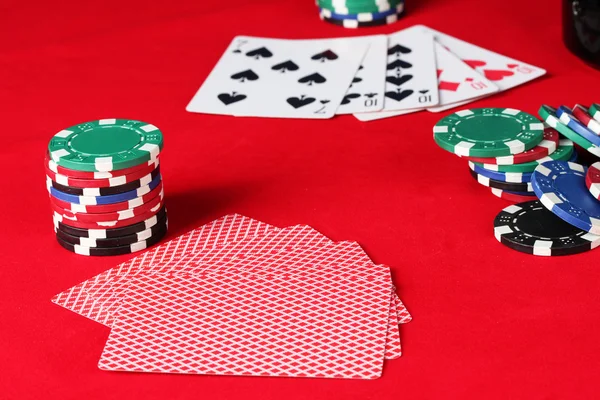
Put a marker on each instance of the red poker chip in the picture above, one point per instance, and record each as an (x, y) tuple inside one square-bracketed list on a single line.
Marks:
[(592, 179), (514, 197), (66, 220), (107, 208), (583, 115), (546, 147), (71, 173), (100, 183), (111, 216)]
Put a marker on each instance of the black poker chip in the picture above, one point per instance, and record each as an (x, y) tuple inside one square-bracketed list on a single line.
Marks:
[(513, 187), (531, 228), (114, 232), (107, 191), (113, 251), (162, 225)]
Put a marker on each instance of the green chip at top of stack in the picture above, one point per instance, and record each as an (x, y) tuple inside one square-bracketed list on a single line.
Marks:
[(358, 6), (488, 132), (106, 145)]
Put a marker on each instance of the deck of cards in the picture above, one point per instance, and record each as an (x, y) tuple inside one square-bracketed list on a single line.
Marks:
[(371, 77), (241, 297)]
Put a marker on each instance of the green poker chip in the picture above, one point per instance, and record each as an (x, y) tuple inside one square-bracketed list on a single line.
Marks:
[(548, 114), (488, 132), (562, 153), (106, 145), (594, 111), (358, 6)]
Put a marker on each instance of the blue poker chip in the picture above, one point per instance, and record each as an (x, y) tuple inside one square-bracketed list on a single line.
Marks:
[(560, 186), (513, 177), (362, 17), (97, 200), (565, 115)]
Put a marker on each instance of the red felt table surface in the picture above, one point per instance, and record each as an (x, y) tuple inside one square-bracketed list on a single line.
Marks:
[(489, 322)]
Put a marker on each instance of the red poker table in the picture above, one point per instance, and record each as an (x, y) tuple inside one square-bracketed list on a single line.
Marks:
[(489, 322)]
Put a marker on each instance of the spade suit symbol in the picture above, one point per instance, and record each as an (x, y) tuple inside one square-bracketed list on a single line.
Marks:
[(228, 99), (245, 75), (349, 97), (301, 101), (260, 52), (312, 79), (398, 49), (285, 66), (398, 80), (399, 64), (326, 55), (399, 95)]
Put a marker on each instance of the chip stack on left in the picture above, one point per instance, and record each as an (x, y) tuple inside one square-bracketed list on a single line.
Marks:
[(105, 187), (360, 13)]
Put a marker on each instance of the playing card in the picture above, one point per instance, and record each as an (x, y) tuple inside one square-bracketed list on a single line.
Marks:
[(457, 81), (106, 293), (271, 242), (224, 230), (327, 328), (411, 80), (305, 249), (344, 259), (280, 78), (340, 260), (366, 93), (228, 228), (504, 72)]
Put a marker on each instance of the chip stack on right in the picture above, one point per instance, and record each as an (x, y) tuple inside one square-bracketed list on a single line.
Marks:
[(533, 163), (360, 13), (105, 186)]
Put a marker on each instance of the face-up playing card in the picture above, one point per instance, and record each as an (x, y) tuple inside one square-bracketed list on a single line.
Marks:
[(280, 78), (366, 93), (411, 79), (457, 81), (327, 328), (504, 72)]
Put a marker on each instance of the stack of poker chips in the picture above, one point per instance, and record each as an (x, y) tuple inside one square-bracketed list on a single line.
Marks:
[(105, 187), (534, 164), (360, 13)]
